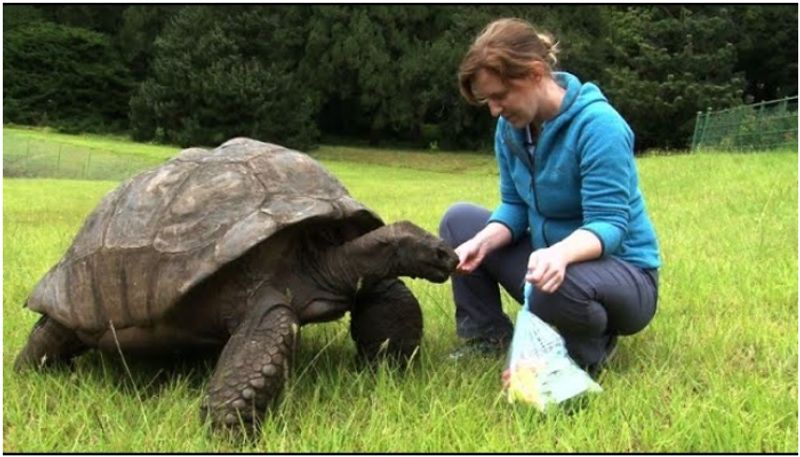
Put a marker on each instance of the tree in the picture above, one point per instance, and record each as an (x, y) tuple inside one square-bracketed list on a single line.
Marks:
[(105, 19), (668, 62), (63, 76), (365, 63), (767, 50), (389, 72), (16, 16), (135, 39), (220, 72)]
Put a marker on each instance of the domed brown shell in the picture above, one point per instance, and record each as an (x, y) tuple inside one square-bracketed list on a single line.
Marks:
[(162, 232)]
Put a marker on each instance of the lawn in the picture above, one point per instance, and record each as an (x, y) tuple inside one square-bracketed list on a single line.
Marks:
[(716, 371)]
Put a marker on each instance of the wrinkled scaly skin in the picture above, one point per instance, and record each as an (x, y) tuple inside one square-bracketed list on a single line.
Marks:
[(386, 311), (234, 248), (253, 366)]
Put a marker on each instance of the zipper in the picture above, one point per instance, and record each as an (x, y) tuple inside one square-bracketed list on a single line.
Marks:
[(533, 188)]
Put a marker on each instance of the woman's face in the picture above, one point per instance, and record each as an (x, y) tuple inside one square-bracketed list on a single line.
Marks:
[(517, 100)]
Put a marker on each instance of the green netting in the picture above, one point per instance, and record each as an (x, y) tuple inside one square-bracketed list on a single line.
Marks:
[(760, 126)]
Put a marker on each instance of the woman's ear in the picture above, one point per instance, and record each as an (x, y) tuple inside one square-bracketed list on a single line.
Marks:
[(538, 71)]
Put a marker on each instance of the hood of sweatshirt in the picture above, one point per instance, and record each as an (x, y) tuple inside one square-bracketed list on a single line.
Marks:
[(577, 97)]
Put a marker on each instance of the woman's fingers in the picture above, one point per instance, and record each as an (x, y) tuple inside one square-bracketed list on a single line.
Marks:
[(552, 283)]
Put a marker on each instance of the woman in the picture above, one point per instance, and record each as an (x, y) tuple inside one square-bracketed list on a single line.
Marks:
[(571, 220)]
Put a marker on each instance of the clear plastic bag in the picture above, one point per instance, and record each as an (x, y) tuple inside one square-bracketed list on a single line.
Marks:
[(539, 371)]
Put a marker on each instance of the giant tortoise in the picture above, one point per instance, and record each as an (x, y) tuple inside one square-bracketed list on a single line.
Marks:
[(233, 248)]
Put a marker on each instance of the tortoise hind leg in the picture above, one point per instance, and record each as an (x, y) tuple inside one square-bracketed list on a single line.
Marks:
[(386, 320), (49, 344), (252, 368)]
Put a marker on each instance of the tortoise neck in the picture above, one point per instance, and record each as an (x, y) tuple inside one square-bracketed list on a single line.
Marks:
[(364, 260)]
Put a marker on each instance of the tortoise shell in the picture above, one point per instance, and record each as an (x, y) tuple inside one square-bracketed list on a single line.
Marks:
[(163, 231)]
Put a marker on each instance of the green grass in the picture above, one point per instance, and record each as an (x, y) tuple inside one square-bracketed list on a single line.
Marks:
[(716, 371)]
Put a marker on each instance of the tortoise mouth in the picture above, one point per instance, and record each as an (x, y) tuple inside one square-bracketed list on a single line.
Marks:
[(439, 271)]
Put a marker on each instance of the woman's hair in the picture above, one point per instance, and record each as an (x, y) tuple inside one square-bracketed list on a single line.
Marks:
[(505, 47)]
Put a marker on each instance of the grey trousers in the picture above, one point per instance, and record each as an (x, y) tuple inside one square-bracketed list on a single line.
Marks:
[(598, 298)]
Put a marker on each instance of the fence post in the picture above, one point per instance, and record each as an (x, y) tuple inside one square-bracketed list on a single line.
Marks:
[(86, 166), (706, 120), (27, 159), (706, 116), (696, 135)]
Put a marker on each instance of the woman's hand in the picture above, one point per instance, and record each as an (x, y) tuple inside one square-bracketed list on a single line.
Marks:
[(472, 252), (470, 255), (547, 266), (546, 269)]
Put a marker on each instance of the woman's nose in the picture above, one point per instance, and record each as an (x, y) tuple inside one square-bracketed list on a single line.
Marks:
[(494, 108)]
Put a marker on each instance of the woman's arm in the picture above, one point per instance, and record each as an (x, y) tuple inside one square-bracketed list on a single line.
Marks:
[(606, 166)]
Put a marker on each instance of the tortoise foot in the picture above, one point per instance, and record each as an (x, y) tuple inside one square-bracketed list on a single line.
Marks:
[(252, 369)]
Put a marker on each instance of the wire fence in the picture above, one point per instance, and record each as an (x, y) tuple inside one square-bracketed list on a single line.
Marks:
[(756, 127), (33, 158)]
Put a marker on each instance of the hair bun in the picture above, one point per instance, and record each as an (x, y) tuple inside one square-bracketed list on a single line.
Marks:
[(551, 48)]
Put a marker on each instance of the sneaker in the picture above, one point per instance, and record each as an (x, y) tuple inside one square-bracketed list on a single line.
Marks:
[(482, 347), (611, 349)]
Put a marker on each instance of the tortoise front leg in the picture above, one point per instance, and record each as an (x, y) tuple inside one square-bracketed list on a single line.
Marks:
[(386, 320), (253, 367)]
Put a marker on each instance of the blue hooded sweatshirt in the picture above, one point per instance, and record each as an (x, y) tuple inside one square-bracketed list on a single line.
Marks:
[(580, 175)]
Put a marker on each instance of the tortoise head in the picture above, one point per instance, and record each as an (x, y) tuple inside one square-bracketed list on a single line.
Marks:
[(418, 253)]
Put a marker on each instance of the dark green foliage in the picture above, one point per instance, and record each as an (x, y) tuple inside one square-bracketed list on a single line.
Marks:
[(767, 49), (16, 16), (141, 24), (66, 77), (379, 73), (220, 72), (449, 121), (669, 63), (378, 70), (105, 19)]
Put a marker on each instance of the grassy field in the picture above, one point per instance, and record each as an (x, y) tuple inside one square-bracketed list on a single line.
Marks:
[(716, 371)]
